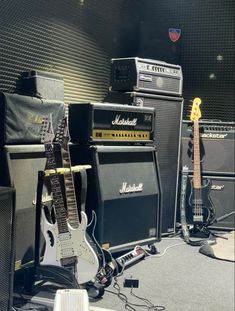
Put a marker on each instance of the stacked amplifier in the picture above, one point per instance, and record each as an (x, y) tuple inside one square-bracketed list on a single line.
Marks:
[(151, 83), (217, 149), (21, 157), (123, 187)]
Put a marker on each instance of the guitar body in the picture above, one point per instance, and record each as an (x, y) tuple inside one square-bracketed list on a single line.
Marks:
[(92, 240), (70, 250), (202, 211)]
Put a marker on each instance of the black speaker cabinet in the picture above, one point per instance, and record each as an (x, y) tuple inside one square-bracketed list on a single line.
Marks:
[(167, 140), (222, 197), (7, 212), (217, 147), (124, 191), (19, 168)]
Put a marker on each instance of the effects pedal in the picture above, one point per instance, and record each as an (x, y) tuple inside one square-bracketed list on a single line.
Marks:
[(131, 257)]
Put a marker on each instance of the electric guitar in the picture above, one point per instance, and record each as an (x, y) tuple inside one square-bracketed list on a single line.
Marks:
[(66, 246), (202, 212), (62, 137), (104, 257)]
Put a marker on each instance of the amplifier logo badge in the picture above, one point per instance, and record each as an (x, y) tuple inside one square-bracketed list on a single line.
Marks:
[(119, 121), (217, 187), (146, 78), (131, 188), (174, 34), (212, 135)]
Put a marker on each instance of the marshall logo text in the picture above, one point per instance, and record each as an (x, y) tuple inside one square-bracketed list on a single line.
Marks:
[(131, 188), (119, 121)]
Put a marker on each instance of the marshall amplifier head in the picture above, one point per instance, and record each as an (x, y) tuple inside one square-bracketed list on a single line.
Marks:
[(105, 122), (217, 147), (146, 75)]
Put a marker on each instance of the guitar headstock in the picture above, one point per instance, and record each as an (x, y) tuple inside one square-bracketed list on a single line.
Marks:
[(47, 132), (62, 134), (196, 112)]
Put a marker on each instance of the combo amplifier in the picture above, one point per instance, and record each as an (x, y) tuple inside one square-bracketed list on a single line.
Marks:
[(21, 117), (217, 146), (146, 75), (125, 192), (19, 169), (105, 122), (222, 197), (168, 120)]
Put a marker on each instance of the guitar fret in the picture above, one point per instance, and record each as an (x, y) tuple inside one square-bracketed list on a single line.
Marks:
[(61, 215)]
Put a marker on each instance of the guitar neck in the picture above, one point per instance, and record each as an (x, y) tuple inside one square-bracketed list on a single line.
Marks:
[(69, 189), (196, 153), (58, 200)]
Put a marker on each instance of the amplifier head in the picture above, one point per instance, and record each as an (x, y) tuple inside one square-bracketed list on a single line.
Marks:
[(147, 75), (105, 123)]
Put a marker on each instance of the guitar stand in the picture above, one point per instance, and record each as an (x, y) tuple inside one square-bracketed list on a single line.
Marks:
[(51, 277), (38, 276)]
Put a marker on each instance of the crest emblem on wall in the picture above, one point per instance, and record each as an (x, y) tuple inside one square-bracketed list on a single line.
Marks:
[(174, 34)]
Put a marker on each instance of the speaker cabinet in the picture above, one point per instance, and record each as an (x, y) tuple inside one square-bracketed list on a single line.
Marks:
[(7, 206), (124, 191), (19, 169), (168, 121), (222, 197), (217, 146)]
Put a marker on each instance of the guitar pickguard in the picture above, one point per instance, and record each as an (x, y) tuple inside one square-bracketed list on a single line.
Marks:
[(70, 245)]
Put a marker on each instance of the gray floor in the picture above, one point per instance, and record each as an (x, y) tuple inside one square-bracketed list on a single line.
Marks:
[(181, 279)]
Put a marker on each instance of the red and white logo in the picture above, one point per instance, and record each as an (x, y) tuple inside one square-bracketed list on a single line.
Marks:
[(174, 34)]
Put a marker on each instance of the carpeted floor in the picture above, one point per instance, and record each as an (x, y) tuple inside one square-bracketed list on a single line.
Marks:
[(180, 279)]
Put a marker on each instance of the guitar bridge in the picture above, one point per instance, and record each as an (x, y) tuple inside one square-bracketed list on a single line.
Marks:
[(198, 218)]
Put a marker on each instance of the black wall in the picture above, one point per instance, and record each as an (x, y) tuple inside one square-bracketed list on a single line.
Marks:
[(77, 38)]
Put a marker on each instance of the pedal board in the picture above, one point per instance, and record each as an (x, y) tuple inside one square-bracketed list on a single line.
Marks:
[(131, 257)]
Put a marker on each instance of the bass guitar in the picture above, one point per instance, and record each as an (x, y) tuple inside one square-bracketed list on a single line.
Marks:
[(202, 210), (66, 246)]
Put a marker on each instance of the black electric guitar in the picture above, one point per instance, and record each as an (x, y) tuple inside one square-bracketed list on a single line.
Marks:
[(202, 211), (104, 257), (66, 246)]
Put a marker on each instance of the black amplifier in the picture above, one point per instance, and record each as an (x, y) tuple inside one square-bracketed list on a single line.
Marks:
[(105, 122), (217, 147), (146, 75)]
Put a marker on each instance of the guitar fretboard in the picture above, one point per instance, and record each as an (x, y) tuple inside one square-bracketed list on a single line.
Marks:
[(61, 216), (69, 189), (196, 153)]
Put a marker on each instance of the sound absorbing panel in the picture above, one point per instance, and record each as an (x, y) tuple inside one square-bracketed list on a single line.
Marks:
[(7, 222), (124, 191), (222, 197), (19, 168), (217, 147), (167, 140)]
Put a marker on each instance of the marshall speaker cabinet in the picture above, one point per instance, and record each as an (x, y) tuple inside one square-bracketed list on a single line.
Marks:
[(124, 191), (145, 75), (7, 212), (168, 119), (19, 169), (217, 147), (110, 123)]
